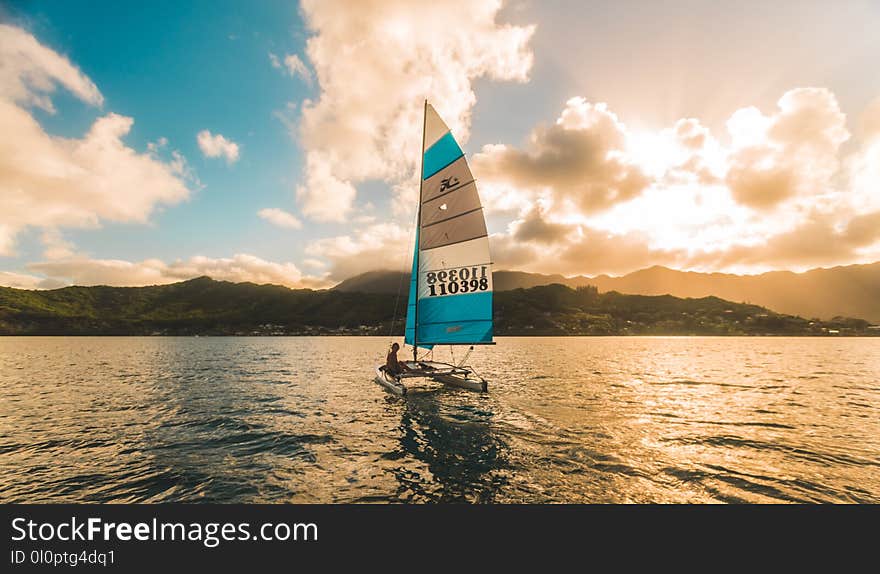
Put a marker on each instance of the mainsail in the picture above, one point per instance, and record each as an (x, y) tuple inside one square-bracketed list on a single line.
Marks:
[(450, 297)]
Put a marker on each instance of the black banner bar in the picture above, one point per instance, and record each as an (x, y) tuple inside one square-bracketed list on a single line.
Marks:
[(125, 537)]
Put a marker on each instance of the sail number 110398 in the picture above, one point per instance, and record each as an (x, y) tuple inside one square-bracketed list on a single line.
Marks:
[(455, 281)]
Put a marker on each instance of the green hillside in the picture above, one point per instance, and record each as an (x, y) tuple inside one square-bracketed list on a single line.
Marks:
[(207, 307)]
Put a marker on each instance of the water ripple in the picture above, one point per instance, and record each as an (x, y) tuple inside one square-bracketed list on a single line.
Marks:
[(566, 420)]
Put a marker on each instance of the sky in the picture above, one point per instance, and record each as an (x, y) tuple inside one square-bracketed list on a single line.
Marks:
[(278, 142)]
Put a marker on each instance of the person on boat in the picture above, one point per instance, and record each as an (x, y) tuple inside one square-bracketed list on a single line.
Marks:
[(392, 364)]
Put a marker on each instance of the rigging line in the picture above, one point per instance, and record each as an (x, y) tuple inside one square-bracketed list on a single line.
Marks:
[(417, 263), (402, 276), (466, 355)]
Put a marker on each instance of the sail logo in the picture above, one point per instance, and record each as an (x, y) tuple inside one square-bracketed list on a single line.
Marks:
[(449, 183), (454, 329)]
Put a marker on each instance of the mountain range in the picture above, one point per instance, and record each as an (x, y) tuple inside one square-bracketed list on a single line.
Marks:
[(204, 306), (846, 291)]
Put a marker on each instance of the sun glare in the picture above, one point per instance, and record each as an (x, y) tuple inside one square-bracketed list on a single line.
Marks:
[(655, 153)]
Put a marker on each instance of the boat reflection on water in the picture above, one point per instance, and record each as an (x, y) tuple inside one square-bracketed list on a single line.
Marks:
[(450, 433)]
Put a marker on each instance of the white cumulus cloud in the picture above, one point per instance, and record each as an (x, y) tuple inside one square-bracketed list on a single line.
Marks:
[(790, 153), (581, 159), (375, 63), (53, 182), (30, 71), (217, 145)]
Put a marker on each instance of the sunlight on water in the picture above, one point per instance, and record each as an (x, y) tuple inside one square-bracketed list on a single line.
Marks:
[(566, 420)]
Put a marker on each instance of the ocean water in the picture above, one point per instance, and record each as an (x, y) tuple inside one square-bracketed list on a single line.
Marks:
[(299, 419)]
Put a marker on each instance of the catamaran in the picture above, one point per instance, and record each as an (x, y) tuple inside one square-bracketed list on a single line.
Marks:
[(450, 294)]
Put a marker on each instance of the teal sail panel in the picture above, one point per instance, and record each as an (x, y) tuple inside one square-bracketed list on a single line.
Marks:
[(440, 155), (463, 319)]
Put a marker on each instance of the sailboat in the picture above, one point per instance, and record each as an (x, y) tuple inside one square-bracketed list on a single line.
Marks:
[(450, 295)]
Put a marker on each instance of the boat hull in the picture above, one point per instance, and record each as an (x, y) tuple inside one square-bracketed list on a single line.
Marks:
[(463, 382), (391, 383), (444, 373), (447, 374)]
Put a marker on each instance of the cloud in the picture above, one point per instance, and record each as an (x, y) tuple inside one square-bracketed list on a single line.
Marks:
[(581, 159), (826, 235), (82, 270), (154, 147), (288, 116), (700, 202), (293, 65), (280, 218), (53, 182), (870, 120), (30, 71), (315, 263), (47, 181), (818, 240), (790, 153), (56, 246), (324, 197), (536, 243), (863, 167), (534, 227), (539, 242), (377, 246), (217, 146), (20, 280), (690, 133), (296, 67), (601, 252), (375, 63)]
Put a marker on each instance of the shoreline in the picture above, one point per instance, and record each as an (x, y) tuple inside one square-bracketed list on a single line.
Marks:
[(507, 336)]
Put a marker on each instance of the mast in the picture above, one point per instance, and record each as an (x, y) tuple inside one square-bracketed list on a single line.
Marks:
[(418, 224)]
